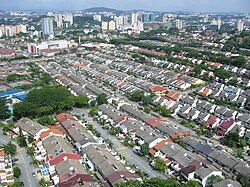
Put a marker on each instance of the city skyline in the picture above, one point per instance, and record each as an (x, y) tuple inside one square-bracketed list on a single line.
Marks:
[(156, 5)]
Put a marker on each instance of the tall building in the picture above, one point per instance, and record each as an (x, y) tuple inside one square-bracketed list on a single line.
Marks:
[(98, 17), (59, 20), (12, 30), (47, 26), (134, 18), (68, 18), (105, 25), (112, 25), (240, 25), (179, 24), (215, 24)]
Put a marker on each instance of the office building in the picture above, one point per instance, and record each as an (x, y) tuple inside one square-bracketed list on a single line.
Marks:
[(47, 26)]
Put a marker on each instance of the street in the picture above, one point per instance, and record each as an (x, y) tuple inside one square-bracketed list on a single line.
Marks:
[(130, 156), (23, 163)]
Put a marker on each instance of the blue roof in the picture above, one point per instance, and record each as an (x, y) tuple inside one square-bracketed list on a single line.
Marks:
[(21, 97), (10, 92)]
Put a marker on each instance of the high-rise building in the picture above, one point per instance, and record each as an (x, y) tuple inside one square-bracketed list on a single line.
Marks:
[(215, 24), (105, 25), (98, 17), (47, 26), (134, 18), (59, 20), (179, 24), (167, 17), (112, 25), (240, 25), (68, 18)]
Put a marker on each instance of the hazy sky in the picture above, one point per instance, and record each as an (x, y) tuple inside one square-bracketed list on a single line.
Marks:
[(159, 5)]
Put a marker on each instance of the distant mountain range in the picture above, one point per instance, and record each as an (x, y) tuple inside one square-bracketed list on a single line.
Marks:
[(102, 9)]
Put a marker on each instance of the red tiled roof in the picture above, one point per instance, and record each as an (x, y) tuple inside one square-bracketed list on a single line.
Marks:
[(115, 176), (154, 122), (64, 116), (225, 124), (157, 88), (50, 131), (211, 121), (60, 158), (66, 181)]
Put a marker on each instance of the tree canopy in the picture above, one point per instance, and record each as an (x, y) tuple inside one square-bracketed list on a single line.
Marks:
[(4, 111), (44, 101)]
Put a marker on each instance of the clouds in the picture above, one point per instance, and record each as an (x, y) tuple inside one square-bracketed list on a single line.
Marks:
[(162, 5)]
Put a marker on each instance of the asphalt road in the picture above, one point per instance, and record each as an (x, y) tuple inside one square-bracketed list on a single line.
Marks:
[(23, 163), (133, 159)]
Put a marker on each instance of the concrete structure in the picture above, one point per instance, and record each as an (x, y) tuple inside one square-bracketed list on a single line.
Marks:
[(47, 26), (55, 44), (105, 25), (240, 25), (112, 25)]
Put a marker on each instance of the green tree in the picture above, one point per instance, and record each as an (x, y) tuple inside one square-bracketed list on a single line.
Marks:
[(101, 99), (4, 111), (81, 101), (10, 149), (17, 184), (137, 96), (17, 172), (44, 183), (160, 165), (45, 120), (31, 151), (214, 179), (145, 149), (21, 140)]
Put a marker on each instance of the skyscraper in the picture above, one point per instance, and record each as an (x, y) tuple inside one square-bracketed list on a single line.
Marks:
[(47, 26)]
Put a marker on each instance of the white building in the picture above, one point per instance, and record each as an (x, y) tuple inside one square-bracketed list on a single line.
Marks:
[(179, 24), (98, 17), (240, 25), (112, 25), (134, 18), (47, 26), (105, 25), (55, 44)]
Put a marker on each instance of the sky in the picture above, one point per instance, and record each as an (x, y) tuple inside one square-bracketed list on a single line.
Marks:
[(154, 5)]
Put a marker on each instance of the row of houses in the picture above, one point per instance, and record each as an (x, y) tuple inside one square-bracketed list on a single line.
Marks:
[(168, 78), (231, 94), (182, 163), (213, 116), (6, 169), (69, 151)]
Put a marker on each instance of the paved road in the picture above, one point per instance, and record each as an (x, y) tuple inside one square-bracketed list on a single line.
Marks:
[(130, 156), (23, 163), (3, 139)]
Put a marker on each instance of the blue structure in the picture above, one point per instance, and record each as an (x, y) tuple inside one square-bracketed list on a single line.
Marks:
[(14, 93)]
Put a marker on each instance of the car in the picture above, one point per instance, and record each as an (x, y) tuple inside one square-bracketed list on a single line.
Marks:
[(33, 173), (22, 184), (134, 165), (15, 159)]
